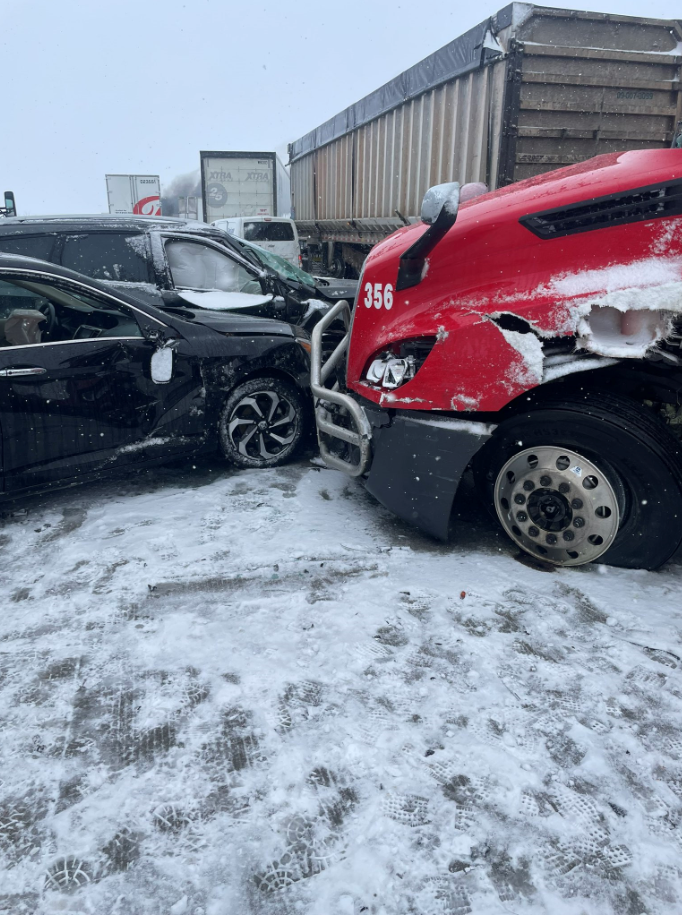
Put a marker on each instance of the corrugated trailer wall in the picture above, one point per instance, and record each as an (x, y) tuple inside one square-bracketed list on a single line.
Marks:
[(588, 83), (554, 88), (440, 136), (390, 163)]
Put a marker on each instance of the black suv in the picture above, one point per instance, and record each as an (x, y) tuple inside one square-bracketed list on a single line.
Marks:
[(93, 380), (175, 264)]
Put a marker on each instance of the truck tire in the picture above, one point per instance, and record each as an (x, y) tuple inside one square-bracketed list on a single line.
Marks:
[(576, 480), (262, 423)]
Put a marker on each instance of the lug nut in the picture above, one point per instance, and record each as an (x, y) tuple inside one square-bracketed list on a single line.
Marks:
[(577, 503), (519, 498), (579, 522), (564, 487), (545, 481), (533, 531), (569, 535), (528, 485), (551, 539), (521, 517)]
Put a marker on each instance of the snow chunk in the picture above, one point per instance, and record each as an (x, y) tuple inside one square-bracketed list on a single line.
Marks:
[(464, 402), (623, 334), (570, 367), (215, 300), (457, 425), (146, 443), (654, 271), (602, 306), (530, 350)]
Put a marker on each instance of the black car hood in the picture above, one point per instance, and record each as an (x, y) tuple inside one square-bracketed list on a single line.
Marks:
[(229, 322)]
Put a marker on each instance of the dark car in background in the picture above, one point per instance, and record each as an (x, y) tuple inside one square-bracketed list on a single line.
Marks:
[(94, 380), (175, 264)]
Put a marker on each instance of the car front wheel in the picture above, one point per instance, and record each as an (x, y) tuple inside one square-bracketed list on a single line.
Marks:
[(262, 423)]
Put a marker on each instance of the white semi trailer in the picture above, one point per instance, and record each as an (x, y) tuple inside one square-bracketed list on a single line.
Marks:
[(138, 194), (237, 183)]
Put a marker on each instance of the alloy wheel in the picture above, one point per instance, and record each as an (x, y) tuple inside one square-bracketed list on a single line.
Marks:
[(557, 505), (262, 424)]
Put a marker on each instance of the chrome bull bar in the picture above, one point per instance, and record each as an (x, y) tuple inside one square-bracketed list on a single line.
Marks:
[(360, 432)]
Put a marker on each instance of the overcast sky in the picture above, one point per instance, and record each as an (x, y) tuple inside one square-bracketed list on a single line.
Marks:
[(141, 86)]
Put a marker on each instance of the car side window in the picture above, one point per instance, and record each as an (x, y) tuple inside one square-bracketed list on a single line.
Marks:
[(33, 313), (197, 266), (39, 246), (268, 231), (107, 256)]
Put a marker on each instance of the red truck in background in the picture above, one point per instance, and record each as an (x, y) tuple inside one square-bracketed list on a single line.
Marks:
[(533, 333)]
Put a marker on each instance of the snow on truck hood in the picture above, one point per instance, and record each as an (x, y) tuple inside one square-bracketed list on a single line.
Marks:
[(216, 300), (594, 304)]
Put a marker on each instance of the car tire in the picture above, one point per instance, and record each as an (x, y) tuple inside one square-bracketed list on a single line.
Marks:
[(262, 423), (634, 459)]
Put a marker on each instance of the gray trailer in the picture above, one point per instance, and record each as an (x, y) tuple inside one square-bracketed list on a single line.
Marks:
[(528, 90)]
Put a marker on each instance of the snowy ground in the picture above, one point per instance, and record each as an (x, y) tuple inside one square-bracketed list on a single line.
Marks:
[(263, 694)]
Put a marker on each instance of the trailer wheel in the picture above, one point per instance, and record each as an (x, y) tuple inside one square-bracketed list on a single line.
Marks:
[(576, 480), (338, 267), (262, 423)]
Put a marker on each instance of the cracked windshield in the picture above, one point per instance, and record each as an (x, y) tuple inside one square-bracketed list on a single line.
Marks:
[(341, 458)]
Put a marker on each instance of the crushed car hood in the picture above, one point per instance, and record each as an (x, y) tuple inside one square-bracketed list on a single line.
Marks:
[(228, 322), (337, 289)]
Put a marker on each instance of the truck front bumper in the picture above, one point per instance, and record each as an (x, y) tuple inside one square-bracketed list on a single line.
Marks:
[(412, 461), (417, 463)]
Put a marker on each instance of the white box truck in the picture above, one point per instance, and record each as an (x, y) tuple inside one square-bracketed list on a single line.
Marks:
[(138, 194)]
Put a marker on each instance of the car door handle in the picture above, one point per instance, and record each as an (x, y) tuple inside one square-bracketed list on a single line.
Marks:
[(14, 373)]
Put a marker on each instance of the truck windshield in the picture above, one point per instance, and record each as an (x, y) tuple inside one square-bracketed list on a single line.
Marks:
[(268, 231)]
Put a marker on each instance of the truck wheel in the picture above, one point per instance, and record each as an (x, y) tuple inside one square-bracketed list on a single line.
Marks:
[(576, 480), (337, 268), (262, 423)]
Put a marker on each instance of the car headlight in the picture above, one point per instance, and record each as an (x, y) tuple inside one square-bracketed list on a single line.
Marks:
[(303, 339)]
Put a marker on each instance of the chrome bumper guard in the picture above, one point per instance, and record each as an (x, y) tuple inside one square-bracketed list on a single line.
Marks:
[(360, 432)]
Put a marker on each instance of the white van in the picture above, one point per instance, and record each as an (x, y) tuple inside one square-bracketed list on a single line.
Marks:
[(274, 233)]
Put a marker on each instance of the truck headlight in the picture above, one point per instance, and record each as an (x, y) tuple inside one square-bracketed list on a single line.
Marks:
[(391, 372), (394, 367)]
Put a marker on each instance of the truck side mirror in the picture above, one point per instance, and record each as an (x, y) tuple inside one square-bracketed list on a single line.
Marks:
[(10, 207), (439, 212), (440, 204)]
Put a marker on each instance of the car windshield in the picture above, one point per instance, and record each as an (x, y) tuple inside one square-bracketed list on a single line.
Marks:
[(280, 265)]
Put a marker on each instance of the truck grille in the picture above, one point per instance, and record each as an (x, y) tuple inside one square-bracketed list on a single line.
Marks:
[(652, 202)]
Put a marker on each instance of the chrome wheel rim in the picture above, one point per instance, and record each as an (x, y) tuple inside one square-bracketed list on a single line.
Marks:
[(262, 425), (557, 505)]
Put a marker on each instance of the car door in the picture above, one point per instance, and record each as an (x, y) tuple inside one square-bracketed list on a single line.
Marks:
[(203, 273), (76, 388)]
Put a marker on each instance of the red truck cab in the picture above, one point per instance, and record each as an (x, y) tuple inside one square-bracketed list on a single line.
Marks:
[(532, 333)]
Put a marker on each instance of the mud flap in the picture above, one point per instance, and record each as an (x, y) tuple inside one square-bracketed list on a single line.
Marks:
[(418, 463)]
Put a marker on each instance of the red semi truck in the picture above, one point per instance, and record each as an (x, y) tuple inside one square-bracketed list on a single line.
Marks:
[(532, 333)]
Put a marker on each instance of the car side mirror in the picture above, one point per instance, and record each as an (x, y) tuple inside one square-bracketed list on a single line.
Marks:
[(162, 365), (439, 212)]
